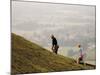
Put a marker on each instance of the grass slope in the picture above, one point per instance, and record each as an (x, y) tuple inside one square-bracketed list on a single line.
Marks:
[(28, 57)]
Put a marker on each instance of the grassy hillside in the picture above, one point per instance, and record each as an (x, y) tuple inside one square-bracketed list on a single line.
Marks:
[(28, 57)]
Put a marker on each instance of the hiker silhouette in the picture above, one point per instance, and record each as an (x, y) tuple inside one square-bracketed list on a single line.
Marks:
[(55, 46), (80, 59)]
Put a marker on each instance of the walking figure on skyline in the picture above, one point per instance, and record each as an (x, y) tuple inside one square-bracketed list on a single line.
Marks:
[(54, 44), (80, 59)]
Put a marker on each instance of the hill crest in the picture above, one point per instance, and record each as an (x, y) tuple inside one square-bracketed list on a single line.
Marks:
[(28, 57)]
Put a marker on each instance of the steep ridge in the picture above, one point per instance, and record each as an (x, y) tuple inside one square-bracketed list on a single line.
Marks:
[(28, 57)]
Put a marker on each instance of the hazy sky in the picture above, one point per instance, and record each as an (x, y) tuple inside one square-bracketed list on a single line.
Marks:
[(37, 21)]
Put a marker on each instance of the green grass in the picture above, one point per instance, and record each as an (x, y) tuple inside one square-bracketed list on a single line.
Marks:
[(28, 57)]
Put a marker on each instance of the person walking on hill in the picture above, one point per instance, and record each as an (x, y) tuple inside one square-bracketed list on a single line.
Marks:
[(80, 59), (54, 44)]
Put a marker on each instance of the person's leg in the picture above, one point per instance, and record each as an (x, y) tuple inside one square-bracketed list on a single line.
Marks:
[(56, 49), (79, 60), (53, 49)]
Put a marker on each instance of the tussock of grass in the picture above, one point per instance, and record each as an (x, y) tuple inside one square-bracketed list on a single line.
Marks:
[(28, 57)]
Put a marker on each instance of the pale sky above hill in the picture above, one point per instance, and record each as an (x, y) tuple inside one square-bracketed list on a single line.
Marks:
[(37, 21)]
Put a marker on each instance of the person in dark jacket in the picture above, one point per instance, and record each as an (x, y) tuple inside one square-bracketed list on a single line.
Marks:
[(54, 44)]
